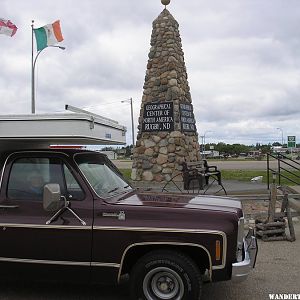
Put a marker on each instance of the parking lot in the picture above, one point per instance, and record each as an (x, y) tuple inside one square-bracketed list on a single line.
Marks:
[(277, 271)]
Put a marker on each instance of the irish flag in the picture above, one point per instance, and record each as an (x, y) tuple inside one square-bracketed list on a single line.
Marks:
[(7, 27), (48, 35)]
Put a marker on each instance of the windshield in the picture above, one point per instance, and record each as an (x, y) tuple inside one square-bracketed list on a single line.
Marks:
[(102, 176)]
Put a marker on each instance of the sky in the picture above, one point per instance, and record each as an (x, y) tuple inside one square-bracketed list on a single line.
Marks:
[(242, 59)]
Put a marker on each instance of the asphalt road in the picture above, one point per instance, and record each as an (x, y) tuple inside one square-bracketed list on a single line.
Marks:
[(221, 164), (277, 271)]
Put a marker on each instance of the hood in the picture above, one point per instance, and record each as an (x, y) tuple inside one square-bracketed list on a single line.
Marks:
[(204, 202)]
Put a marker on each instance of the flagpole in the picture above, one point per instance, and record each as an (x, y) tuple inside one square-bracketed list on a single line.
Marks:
[(32, 73)]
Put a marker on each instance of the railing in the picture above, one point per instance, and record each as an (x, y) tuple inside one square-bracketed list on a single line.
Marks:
[(284, 163)]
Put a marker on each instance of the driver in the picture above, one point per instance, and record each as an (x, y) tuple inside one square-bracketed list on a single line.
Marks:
[(36, 185)]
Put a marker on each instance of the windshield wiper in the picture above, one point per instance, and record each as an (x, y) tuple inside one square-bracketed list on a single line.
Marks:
[(113, 190), (117, 188)]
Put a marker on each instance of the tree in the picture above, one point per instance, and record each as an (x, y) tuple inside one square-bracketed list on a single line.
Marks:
[(265, 148), (128, 150)]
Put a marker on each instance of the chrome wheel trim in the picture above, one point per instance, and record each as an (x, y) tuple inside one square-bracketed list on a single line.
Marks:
[(163, 283)]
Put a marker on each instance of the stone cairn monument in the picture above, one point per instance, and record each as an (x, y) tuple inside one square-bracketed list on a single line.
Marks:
[(167, 133)]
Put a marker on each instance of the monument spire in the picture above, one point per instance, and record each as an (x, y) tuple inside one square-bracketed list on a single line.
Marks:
[(167, 133)]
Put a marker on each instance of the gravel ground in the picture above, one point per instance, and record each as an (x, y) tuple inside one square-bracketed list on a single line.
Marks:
[(277, 271)]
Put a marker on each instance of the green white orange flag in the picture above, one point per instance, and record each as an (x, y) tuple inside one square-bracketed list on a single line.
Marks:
[(48, 35)]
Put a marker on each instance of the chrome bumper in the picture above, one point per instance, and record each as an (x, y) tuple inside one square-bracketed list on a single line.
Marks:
[(240, 270)]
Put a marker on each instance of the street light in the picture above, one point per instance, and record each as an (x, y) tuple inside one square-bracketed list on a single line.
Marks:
[(281, 135), (209, 131), (33, 79), (203, 141), (132, 123), (202, 153), (33, 63)]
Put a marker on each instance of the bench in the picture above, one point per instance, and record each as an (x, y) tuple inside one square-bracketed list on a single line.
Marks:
[(197, 175), (212, 171), (193, 175)]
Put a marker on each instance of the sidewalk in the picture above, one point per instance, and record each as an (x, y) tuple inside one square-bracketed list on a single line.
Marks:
[(253, 195), (295, 202), (232, 187), (296, 189)]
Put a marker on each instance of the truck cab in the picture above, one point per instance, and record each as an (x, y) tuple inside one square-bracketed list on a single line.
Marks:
[(68, 213)]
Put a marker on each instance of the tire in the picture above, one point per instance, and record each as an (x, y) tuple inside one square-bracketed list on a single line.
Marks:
[(165, 275)]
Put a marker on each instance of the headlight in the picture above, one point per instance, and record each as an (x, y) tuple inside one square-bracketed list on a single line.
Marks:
[(240, 238)]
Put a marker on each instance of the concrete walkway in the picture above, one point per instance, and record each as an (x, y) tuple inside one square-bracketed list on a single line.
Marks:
[(296, 188), (295, 201), (221, 164), (254, 195), (232, 187)]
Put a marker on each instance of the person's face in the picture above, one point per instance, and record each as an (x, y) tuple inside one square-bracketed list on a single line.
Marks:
[(36, 181)]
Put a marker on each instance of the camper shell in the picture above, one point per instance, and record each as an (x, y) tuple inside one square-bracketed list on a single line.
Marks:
[(43, 130)]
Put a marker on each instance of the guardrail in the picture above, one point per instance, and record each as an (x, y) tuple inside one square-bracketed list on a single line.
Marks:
[(286, 164)]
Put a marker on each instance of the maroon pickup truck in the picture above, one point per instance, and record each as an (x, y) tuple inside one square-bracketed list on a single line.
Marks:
[(70, 215)]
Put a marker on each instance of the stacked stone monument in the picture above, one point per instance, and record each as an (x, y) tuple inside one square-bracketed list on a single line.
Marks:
[(167, 133)]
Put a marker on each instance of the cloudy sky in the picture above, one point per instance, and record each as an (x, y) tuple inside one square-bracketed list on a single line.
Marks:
[(242, 58)]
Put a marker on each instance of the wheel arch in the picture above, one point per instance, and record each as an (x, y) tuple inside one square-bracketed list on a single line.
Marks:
[(198, 253)]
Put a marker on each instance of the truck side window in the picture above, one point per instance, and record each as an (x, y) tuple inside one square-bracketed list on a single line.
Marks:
[(29, 175), (73, 188)]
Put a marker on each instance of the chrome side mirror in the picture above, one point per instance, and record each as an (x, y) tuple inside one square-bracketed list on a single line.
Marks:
[(52, 197)]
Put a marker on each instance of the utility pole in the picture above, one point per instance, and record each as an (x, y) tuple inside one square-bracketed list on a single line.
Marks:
[(132, 123), (32, 72)]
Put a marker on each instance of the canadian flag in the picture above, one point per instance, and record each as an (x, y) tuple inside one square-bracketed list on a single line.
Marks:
[(7, 27)]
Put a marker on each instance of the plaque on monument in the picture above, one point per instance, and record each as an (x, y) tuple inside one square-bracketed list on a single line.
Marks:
[(187, 117), (158, 117)]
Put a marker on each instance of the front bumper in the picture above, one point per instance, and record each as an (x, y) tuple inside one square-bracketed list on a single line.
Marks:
[(241, 270)]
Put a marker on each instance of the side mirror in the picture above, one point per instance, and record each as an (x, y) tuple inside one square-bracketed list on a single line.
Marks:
[(52, 197)]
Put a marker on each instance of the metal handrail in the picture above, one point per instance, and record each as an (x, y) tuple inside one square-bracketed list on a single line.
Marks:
[(286, 162)]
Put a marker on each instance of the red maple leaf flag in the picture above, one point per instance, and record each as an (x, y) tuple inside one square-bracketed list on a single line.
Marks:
[(7, 27)]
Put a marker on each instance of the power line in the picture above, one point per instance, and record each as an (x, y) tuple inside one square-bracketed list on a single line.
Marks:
[(103, 104)]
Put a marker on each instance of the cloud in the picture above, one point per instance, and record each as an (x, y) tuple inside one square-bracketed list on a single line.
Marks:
[(242, 60)]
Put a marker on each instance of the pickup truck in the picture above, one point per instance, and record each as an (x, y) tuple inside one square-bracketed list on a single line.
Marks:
[(69, 214)]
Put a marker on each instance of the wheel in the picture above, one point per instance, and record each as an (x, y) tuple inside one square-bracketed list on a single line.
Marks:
[(165, 275)]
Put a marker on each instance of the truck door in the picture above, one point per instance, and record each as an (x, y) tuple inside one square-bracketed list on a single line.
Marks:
[(31, 246)]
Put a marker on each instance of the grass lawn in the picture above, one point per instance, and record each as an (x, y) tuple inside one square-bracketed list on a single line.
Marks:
[(242, 175), (246, 175), (126, 173)]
